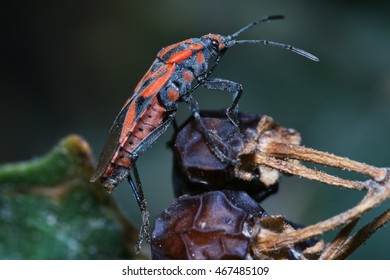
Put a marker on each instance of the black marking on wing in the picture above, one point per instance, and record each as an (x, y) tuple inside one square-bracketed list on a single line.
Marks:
[(111, 145), (141, 104)]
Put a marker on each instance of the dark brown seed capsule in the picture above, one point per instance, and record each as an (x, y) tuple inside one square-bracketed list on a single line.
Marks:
[(211, 225), (197, 169)]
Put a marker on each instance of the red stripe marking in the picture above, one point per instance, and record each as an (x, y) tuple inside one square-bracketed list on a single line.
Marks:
[(180, 56), (167, 49), (188, 76), (195, 47), (200, 58), (153, 89)]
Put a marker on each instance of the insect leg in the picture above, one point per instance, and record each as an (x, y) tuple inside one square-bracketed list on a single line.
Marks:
[(230, 86), (139, 196), (208, 73), (136, 183), (171, 143), (152, 137), (194, 107), (175, 126), (216, 62)]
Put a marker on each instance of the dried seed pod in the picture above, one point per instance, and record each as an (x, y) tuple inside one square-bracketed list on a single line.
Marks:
[(197, 169), (220, 225), (211, 225)]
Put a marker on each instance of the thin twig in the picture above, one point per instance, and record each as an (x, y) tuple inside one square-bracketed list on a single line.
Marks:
[(279, 148), (375, 196), (311, 155), (334, 247), (361, 236), (302, 171)]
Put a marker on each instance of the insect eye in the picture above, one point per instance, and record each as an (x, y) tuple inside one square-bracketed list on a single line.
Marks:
[(215, 44)]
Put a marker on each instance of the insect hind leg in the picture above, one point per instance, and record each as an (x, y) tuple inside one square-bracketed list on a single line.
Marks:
[(136, 186)]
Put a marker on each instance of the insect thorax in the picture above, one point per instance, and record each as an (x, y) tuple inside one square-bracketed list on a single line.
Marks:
[(195, 58)]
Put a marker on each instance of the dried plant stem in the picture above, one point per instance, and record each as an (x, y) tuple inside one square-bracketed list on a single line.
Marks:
[(311, 155), (279, 149), (271, 241), (334, 247), (361, 236), (302, 171)]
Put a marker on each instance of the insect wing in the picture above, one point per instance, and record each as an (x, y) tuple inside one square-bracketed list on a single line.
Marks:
[(131, 113), (112, 143)]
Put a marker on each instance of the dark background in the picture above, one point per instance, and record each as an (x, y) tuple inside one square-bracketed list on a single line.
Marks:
[(68, 66)]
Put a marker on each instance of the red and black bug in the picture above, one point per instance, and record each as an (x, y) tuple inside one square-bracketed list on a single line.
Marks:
[(147, 114)]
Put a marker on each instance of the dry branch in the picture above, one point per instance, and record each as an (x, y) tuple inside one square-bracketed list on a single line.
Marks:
[(279, 149)]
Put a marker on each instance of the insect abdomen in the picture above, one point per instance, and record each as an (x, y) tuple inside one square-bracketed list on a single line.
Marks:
[(121, 162), (151, 119)]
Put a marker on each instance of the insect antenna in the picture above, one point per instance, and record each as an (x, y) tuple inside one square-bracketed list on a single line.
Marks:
[(250, 25), (276, 44), (231, 42)]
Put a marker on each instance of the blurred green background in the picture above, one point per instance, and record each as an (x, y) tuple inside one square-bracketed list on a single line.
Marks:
[(68, 66)]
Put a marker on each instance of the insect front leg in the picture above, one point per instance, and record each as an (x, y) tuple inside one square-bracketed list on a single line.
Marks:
[(230, 86), (194, 107)]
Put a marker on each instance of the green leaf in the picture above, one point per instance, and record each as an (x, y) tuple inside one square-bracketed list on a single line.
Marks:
[(50, 210)]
